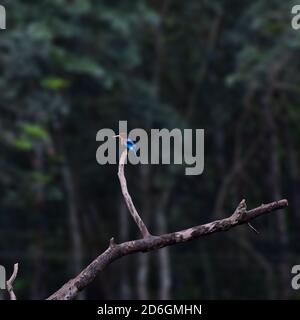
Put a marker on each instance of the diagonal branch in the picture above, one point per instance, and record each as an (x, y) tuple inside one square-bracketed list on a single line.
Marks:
[(117, 251), (149, 242), (9, 283), (141, 225)]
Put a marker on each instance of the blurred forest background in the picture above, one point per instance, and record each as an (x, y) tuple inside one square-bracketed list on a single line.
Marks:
[(72, 67)]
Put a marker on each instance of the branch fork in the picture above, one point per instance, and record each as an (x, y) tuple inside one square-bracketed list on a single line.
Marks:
[(9, 283), (240, 211)]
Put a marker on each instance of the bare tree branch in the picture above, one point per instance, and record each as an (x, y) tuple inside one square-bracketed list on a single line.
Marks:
[(9, 283), (116, 251), (149, 242), (141, 225)]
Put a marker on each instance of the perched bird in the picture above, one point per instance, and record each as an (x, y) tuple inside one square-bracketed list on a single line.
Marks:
[(126, 142)]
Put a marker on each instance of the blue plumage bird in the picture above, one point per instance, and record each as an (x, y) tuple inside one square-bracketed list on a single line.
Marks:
[(126, 142)]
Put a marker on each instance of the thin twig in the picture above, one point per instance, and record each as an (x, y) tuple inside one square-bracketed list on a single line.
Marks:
[(10, 281), (252, 228)]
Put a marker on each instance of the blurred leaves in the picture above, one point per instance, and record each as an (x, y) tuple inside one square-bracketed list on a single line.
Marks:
[(70, 68), (23, 144), (35, 130)]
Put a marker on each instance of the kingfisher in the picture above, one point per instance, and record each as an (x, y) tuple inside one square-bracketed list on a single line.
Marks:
[(126, 142)]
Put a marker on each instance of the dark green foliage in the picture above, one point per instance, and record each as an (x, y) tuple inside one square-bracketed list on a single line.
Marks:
[(70, 68)]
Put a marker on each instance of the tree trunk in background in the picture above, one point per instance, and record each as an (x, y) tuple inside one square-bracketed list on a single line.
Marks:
[(163, 256), (164, 266), (37, 284), (245, 244), (142, 276), (125, 291), (143, 259), (220, 164), (293, 168), (275, 193), (260, 260), (73, 214), (209, 277)]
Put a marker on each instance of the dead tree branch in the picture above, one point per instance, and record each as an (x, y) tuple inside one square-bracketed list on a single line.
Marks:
[(117, 251), (149, 242), (10, 281)]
